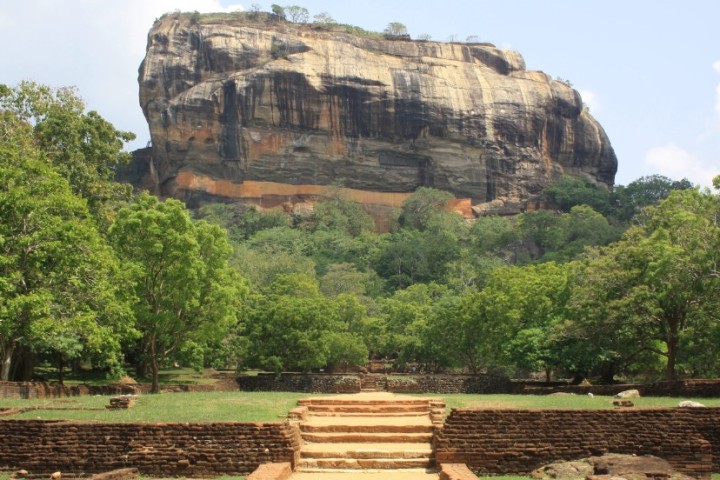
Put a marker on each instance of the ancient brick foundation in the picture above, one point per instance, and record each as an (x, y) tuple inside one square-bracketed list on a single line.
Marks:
[(157, 449), (518, 441), (488, 441), (288, 382), (56, 390)]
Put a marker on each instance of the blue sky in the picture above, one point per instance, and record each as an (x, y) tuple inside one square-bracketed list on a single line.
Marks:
[(648, 69)]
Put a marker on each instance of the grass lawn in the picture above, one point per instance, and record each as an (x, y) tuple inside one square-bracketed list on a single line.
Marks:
[(273, 406), (165, 407), (559, 401)]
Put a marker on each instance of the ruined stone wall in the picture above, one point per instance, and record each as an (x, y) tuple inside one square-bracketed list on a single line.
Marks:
[(55, 390), (448, 384), (157, 449), (518, 441), (311, 383), (697, 388)]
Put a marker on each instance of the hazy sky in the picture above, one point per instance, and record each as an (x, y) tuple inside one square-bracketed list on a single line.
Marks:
[(648, 69)]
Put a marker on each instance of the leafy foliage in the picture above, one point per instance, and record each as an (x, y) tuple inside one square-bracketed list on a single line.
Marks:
[(59, 282), (82, 147), (184, 289)]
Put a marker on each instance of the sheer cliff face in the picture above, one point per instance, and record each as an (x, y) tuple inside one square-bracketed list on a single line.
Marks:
[(254, 110)]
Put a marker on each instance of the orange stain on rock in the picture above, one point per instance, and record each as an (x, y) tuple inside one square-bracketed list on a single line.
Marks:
[(257, 191)]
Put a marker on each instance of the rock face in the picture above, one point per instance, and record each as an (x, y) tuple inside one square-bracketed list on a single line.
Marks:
[(611, 466), (247, 106)]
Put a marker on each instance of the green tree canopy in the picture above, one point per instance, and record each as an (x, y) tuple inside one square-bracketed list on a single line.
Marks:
[(647, 292), (569, 191), (82, 146), (184, 289), (59, 282)]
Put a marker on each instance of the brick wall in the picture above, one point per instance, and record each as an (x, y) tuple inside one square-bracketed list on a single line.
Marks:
[(158, 449), (55, 390), (518, 441), (310, 383)]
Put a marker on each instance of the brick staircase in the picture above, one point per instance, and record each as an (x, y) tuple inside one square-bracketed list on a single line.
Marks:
[(367, 435)]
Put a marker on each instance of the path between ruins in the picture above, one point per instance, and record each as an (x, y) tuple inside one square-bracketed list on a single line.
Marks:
[(367, 436)]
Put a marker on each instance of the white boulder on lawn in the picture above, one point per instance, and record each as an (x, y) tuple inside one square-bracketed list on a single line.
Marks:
[(628, 394)]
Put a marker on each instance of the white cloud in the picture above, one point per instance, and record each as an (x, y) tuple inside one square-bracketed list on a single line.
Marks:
[(590, 99), (716, 66), (677, 163)]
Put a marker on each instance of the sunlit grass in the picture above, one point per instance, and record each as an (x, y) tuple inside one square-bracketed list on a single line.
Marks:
[(560, 401), (165, 407), (274, 406)]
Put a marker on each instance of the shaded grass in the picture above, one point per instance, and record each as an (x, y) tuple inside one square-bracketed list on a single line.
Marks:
[(559, 401), (165, 407)]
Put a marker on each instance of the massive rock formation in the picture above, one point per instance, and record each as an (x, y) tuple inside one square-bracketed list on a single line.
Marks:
[(247, 106)]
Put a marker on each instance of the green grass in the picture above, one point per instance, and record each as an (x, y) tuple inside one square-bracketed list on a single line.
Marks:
[(273, 406), (165, 407), (560, 401)]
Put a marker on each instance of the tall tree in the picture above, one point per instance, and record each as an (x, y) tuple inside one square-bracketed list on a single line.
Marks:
[(184, 289), (59, 281), (658, 283)]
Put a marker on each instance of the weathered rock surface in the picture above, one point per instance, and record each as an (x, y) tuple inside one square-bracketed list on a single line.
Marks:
[(242, 106), (611, 466)]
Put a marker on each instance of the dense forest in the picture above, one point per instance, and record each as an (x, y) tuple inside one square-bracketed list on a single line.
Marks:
[(604, 284)]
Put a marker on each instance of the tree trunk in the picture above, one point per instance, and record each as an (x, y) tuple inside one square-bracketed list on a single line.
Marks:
[(154, 368), (7, 354), (672, 347), (25, 366), (607, 373), (61, 368), (673, 327), (548, 374)]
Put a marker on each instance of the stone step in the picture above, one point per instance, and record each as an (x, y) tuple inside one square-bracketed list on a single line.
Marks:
[(363, 463), (366, 450), (368, 424), (369, 408), (366, 437), (345, 428), (365, 413), (405, 474), (365, 399)]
